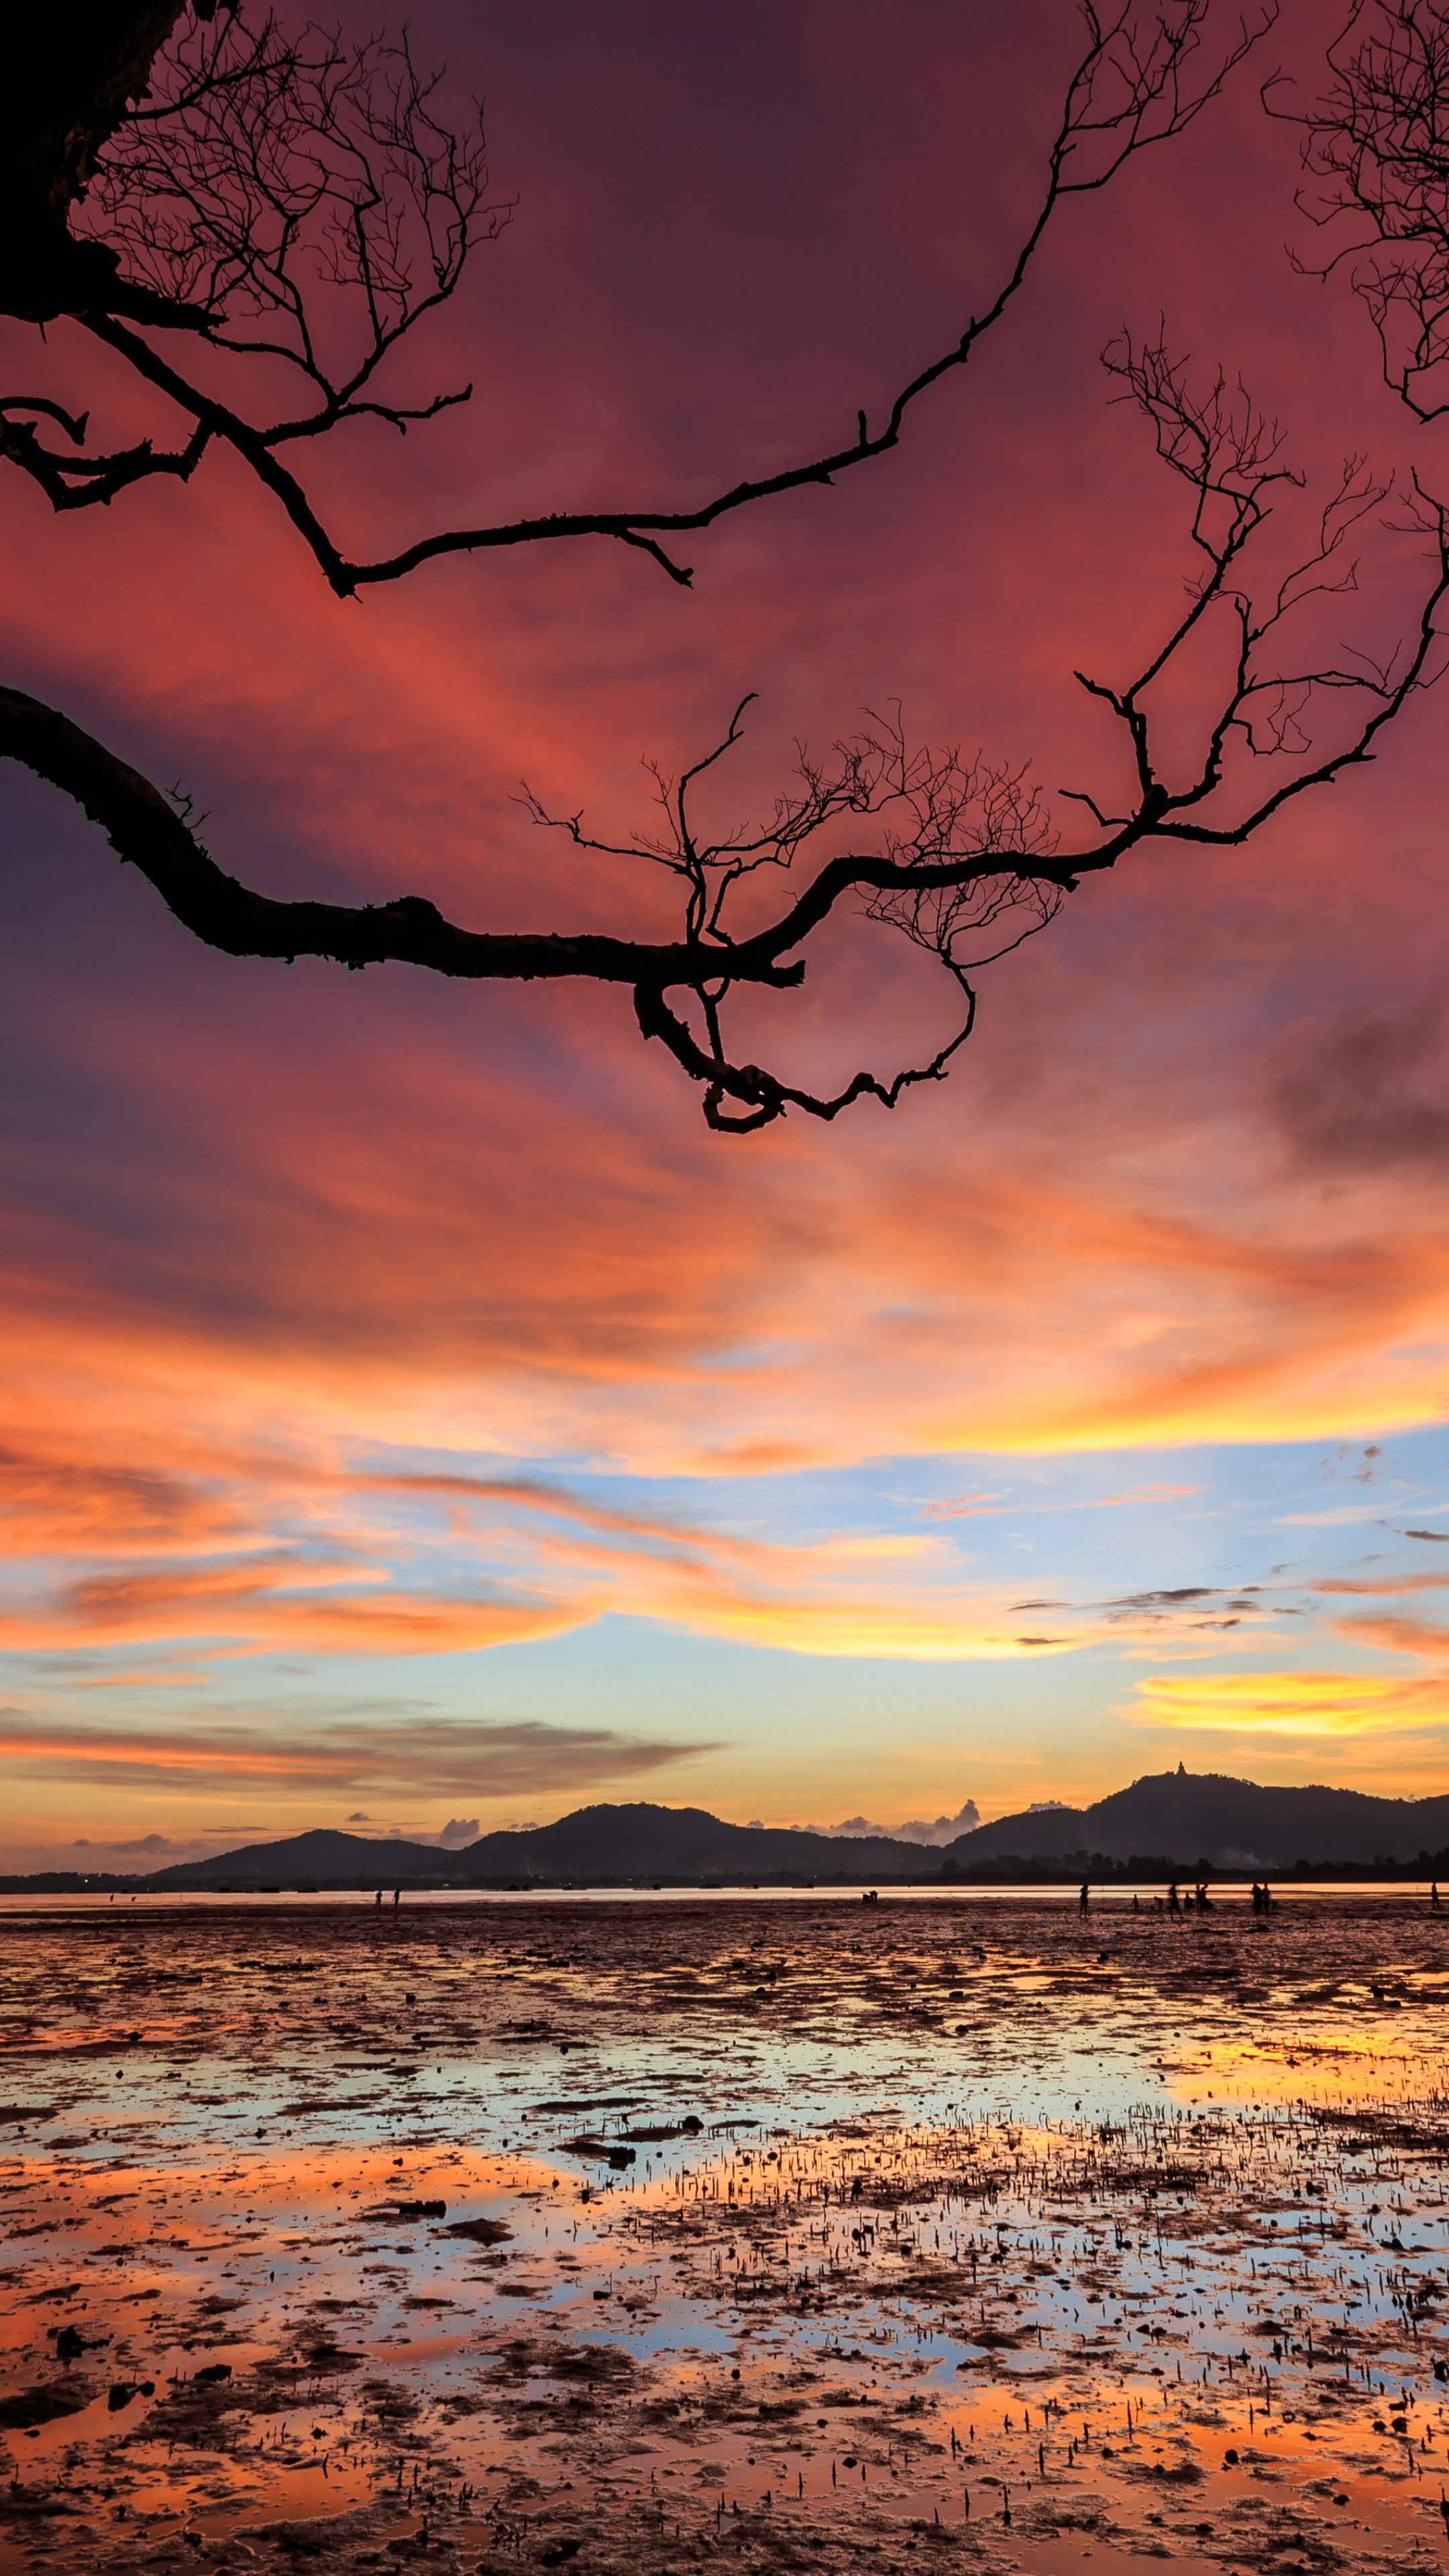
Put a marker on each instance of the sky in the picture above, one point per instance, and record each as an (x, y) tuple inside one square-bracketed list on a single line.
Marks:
[(411, 1414)]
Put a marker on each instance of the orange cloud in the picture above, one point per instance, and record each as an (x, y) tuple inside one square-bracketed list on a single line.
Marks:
[(281, 1602), (72, 1502), (1290, 1704), (1400, 1636), (1384, 1586)]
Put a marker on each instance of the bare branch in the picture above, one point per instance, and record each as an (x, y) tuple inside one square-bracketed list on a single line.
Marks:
[(1230, 457), (271, 196), (264, 170), (958, 854), (153, 832), (1375, 153), (300, 202)]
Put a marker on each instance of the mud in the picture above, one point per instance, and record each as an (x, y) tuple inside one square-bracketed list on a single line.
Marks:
[(778, 2233)]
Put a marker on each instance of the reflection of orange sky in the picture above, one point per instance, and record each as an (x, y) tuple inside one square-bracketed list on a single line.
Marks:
[(293, 2174), (257, 1221), (1327, 2056), (324, 2178)]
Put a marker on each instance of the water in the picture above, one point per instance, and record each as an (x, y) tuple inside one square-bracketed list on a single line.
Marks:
[(993, 2231)]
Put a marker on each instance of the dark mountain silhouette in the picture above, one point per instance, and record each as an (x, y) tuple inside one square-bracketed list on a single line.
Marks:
[(595, 1843), (687, 1843), (1169, 1820), (319, 1859), (1197, 1815)]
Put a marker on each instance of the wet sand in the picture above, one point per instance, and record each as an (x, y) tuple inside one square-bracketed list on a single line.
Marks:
[(773, 2232)]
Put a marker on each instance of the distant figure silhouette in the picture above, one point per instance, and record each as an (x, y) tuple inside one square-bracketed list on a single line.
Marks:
[(1173, 1906), (397, 1896), (1082, 1899), (1200, 1897), (377, 1900)]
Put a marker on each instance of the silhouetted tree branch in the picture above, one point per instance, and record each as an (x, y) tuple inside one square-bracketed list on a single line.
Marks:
[(298, 202), (1376, 184), (68, 81), (958, 853), (226, 207)]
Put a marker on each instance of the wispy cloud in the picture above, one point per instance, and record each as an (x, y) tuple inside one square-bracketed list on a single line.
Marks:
[(1401, 1636), (1333, 1515), (1382, 1586), (1291, 1704), (527, 1557), (423, 1758), (266, 1603)]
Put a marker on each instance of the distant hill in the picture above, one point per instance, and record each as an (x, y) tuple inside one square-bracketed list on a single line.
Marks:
[(319, 1859), (688, 1844), (673, 1844), (1170, 1820), (1234, 1824)]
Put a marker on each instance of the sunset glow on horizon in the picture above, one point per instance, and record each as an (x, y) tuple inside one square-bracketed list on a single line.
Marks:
[(410, 1411)]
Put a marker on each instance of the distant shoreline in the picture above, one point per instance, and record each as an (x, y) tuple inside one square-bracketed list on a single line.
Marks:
[(1110, 1890)]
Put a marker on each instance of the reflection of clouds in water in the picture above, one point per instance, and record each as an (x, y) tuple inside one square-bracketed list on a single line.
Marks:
[(935, 2169)]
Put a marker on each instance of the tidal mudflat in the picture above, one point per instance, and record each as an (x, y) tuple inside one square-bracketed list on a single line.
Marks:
[(780, 2232)]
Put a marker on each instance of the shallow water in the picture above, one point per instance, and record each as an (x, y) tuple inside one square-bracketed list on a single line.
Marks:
[(947, 2224)]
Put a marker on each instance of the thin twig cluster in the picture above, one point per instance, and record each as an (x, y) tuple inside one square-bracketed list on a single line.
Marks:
[(1376, 184), (293, 192)]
